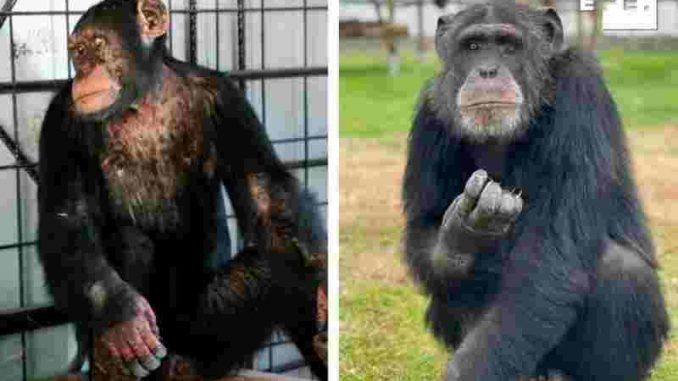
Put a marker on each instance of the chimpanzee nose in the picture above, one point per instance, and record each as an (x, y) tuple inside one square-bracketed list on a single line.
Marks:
[(488, 71)]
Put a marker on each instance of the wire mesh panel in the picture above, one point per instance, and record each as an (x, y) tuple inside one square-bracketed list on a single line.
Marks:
[(275, 49)]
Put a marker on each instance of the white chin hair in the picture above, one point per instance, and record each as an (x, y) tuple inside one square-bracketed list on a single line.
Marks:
[(504, 129)]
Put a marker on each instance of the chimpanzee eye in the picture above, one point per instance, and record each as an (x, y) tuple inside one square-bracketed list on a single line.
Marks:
[(79, 49), (473, 46)]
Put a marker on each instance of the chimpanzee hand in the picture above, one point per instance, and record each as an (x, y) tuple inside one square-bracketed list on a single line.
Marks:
[(484, 207), (135, 342), (474, 222)]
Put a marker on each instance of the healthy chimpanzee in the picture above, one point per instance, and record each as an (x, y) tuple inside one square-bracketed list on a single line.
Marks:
[(133, 153), (523, 223)]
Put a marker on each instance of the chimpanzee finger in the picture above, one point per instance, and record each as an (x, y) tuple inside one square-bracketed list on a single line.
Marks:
[(517, 207), (472, 190), (487, 204), (126, 357), (113, 351), (155, 347), (152, 322), (116, 357), (160, 351), (116, 349), (476, 183), (136, 369), (510, 206), (145, 309), (143, 353), (118, 340)]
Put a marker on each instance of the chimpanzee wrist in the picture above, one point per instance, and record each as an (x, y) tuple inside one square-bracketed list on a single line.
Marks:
[(458, 236), (111, 300)]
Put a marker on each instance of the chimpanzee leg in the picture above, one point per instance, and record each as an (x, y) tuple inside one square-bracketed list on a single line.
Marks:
[(303, 334), (302, 326), (220, 318), (620, 335)]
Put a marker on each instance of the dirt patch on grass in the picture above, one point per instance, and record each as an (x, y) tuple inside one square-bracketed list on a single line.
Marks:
[(655, 161), (370, 214)]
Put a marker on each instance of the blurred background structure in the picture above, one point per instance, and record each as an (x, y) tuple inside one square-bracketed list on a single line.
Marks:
[(397, 21)]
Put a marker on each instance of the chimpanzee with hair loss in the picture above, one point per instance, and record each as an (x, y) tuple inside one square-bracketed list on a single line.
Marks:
[(133, 154), (523, 223)]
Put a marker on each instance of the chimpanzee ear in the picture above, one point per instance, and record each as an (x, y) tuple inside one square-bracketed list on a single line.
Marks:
[(153, 18), (444, 24), (554, 29), (441, 22), (444, 21)]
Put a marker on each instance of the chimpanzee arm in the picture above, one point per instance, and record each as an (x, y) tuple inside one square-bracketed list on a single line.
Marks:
[(81, 281), (450, 245), (283, 239), (263, 191)]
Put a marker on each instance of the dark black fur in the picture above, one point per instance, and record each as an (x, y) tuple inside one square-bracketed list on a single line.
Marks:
[(201, 314), (545, 297)]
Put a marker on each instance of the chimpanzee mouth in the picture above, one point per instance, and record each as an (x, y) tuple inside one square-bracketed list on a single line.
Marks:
[(96, 101), (494, 118), (492, 104), (94, 94)]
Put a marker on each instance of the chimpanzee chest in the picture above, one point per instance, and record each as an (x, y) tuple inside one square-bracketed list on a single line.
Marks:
[(153, 152)]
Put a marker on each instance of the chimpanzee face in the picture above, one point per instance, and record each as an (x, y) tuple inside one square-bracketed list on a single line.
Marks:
[(101, 66), (112, 50), (495, 69)]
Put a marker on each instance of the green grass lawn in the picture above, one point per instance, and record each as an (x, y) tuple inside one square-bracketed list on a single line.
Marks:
[(383, 336), (644, 84)]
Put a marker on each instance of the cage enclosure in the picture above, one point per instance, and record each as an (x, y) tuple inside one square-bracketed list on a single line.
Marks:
[(276, 50)]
